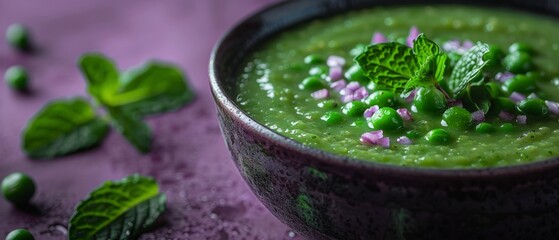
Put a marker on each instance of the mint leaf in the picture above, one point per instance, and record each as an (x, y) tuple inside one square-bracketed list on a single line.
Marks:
[(62, 127), (101, 75), (431, 63), (132, 128), (389, 65), (118, 210), (152, 88), (468, 68)]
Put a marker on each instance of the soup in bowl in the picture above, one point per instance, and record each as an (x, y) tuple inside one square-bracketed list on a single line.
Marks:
[(377, 120)]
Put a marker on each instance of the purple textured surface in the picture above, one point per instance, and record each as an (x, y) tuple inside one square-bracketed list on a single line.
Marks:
[(207, 197)]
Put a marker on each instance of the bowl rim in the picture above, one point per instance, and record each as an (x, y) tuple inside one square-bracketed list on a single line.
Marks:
[(327, 158)]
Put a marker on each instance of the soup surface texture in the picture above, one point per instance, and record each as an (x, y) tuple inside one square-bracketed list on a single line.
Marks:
[(271, 91)]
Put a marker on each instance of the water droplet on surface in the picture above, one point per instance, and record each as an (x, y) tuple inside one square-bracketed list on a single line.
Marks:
[(291, 234)]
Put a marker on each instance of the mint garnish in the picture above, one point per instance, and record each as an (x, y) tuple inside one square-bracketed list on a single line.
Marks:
[(468, 69), (62, 127), (399, 68), (150, 89), (118, 210)]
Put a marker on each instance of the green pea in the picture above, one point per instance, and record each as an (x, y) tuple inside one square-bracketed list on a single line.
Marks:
[(18, 188), (494, 89), (412, 134), (520, 83), (20, 234), (332, 117), (438, 137), (17, 35), (494, 56), (355, 73), (313, 59), (328, 104), (533, 107), (429, 100), (319, 70), (312, 83), (387, 119), (457, 117), (504, 104), (518, 62), (16, 77), (485, 128), (521, 47), (354, 109), (382, 98), (507, 128)]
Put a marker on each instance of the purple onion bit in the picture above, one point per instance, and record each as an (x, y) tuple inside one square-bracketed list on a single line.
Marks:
[(410, 97), (414, 32), (346, 98), (478, 116), (335, 61), (503, 76), (378, 38), (516, 97), (521, 119), (375, 138), (370, 111), (360, 93), (353, 86), (338, 85), (507, 116), (405, 114), (320, 94), (335, 73), (404, 140), (553, 107), (455, 103), (452, 45)]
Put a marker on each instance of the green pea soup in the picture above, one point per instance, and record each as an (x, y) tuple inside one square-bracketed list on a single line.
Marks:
[(273, 91)]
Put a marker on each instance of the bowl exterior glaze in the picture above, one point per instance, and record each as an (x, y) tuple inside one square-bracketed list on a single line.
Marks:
[(324, 196)]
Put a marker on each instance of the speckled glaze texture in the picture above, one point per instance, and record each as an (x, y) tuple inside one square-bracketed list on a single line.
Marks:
[(323, 196)]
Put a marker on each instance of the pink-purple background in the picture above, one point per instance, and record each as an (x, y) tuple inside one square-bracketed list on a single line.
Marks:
[(207, 197)]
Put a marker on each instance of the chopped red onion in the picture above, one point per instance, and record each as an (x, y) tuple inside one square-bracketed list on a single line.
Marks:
[(384, 142), (478, 116), (455, 103), (553, 107), (338, 85), (503, 76), (507, 116), (370, 111), (346, 91), (414, 32), (335, 61), (378, 38), (335, 74), (466, 45), (405, 114), (371, 138), (410, 97), (320, 94), (521, 119), (404, 140), (347, 98), (353, 86), (451, 46), (517, 97), (360, 93)]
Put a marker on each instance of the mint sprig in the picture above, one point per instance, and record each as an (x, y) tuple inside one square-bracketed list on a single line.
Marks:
[(468, 69), (399, 68), (62, 127), (118, 210), (67, 126)]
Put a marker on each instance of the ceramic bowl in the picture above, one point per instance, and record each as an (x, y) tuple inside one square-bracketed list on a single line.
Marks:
[(326, 196)]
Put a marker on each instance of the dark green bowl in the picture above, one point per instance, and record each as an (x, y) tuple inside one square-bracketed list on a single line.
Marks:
[(323, 196)]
